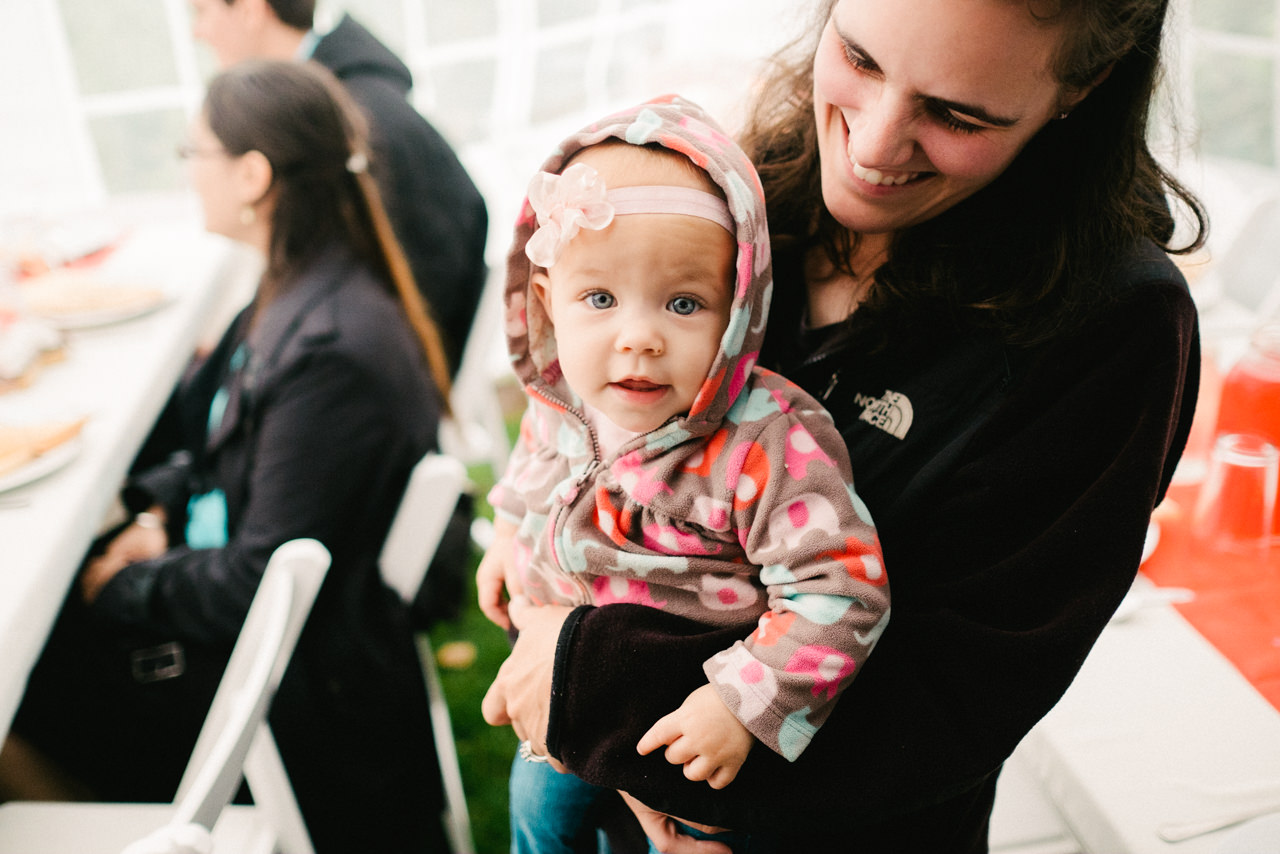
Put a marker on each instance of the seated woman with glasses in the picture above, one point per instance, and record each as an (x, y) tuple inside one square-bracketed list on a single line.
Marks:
[(304, 421)]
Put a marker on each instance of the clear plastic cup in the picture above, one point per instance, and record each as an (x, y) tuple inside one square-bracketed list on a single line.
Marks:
[(1233, 513)]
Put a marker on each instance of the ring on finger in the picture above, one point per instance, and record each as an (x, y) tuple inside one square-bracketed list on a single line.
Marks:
[(528, 754)]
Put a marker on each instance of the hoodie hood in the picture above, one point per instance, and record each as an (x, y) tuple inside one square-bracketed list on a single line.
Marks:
[(349, 50), (683, 127)]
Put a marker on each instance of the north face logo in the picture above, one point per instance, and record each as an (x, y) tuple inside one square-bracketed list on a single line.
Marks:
[(892, 413)]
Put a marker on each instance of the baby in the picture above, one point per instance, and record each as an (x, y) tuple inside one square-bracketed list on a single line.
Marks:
[(657, 464)]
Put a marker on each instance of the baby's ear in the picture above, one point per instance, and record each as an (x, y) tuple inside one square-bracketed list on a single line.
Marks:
[(540, 283)]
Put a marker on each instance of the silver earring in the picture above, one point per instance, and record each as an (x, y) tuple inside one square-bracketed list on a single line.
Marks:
[(1062, 115), (248, 215)]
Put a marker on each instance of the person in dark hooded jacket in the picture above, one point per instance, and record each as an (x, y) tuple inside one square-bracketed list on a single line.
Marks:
[(438, 214)]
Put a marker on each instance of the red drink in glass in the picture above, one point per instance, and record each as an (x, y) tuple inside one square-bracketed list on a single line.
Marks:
[(1251, 393)]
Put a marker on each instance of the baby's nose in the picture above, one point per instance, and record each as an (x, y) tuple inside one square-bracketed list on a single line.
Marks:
[(640, 334)]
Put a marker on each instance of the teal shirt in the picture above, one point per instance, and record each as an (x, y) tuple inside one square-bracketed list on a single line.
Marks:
[(207, 512)]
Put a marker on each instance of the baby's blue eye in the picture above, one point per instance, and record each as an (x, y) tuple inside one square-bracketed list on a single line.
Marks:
[(684, 305), (600, 299)]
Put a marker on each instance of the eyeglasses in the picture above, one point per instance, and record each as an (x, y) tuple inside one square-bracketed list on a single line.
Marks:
[(187, 150)]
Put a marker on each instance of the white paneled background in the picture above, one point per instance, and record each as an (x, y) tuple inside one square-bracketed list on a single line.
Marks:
[(95, 94)]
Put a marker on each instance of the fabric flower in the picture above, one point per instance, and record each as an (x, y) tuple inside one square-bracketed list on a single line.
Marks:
[(565, 203)]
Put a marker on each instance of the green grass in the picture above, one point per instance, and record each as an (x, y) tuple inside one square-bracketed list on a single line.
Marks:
[(484, 752)]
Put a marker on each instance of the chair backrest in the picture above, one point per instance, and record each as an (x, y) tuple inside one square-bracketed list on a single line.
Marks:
[(420, 521), (429, 498), (258, 661)]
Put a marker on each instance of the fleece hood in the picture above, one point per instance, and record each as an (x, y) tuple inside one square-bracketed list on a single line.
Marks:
[(683, 127)]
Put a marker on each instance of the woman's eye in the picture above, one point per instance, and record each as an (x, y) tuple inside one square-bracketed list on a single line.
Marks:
[(857, 59), (955, 123), (684, 305), (600, 299)]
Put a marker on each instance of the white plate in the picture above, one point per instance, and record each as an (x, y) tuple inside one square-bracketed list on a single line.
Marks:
[(1257, 836), (45, 464), (102, 317)]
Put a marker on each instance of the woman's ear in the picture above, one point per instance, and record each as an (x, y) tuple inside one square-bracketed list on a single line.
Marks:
[(1072, 97), (253, 177)]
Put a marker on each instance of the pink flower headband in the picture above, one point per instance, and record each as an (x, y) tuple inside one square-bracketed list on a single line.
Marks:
[(578, 199)]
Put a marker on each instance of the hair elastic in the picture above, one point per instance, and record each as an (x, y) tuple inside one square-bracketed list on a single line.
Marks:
[(675, 200)]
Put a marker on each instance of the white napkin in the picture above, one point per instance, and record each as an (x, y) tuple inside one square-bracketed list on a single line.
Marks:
[(1198, 807), (174, 839)]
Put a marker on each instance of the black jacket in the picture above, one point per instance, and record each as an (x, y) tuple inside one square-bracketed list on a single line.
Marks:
[(437, 212), (323, 423), (1012, 506)]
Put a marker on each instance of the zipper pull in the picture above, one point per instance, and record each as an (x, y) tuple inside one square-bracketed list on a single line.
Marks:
[(571, 494), (831, 386)]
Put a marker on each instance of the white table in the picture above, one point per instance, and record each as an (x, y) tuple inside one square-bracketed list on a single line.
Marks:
[(119, 375), (1157, 727)]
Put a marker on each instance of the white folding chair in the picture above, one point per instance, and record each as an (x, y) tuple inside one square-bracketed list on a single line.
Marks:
[(235, 741), (434, 486)]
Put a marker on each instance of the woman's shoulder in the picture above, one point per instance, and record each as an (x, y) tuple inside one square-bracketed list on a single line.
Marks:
[(338, 309), (1137, 289), (363, 305), (1146, 295), (353, 308), (1144, 268), (1140, 342)]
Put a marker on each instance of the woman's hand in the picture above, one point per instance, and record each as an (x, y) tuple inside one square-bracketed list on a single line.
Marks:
[(521, 692), (143, 539), (96, 575), (664, 832)]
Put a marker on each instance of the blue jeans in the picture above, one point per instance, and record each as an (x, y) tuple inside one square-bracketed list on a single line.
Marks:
[(553, 813)]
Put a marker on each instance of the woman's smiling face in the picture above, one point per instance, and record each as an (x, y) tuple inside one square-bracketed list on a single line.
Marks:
[(921, 103)]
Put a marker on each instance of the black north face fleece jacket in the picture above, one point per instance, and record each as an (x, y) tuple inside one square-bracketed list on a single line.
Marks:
[(1012, 491)]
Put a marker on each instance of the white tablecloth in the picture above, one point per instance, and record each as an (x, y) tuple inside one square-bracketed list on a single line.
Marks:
[(1157, 728), (120, 376)]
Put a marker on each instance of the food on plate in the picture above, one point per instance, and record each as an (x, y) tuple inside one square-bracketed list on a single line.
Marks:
[(69, 293), (20, 444), (26, 345), (35, 247)]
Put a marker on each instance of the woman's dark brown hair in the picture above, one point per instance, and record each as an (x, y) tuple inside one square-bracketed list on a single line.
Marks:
[(1029, 253), (298, 116)]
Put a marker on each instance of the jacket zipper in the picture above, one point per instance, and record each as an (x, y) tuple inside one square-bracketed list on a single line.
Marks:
[(560, 511)]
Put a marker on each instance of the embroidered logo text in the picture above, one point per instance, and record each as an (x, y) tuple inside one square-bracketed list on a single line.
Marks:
[(891, 413)]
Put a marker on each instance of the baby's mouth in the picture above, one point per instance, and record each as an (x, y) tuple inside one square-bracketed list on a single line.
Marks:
[(635, 384)]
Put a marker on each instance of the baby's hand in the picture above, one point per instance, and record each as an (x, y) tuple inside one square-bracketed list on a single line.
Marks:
[(704, 737), (495, 575)]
